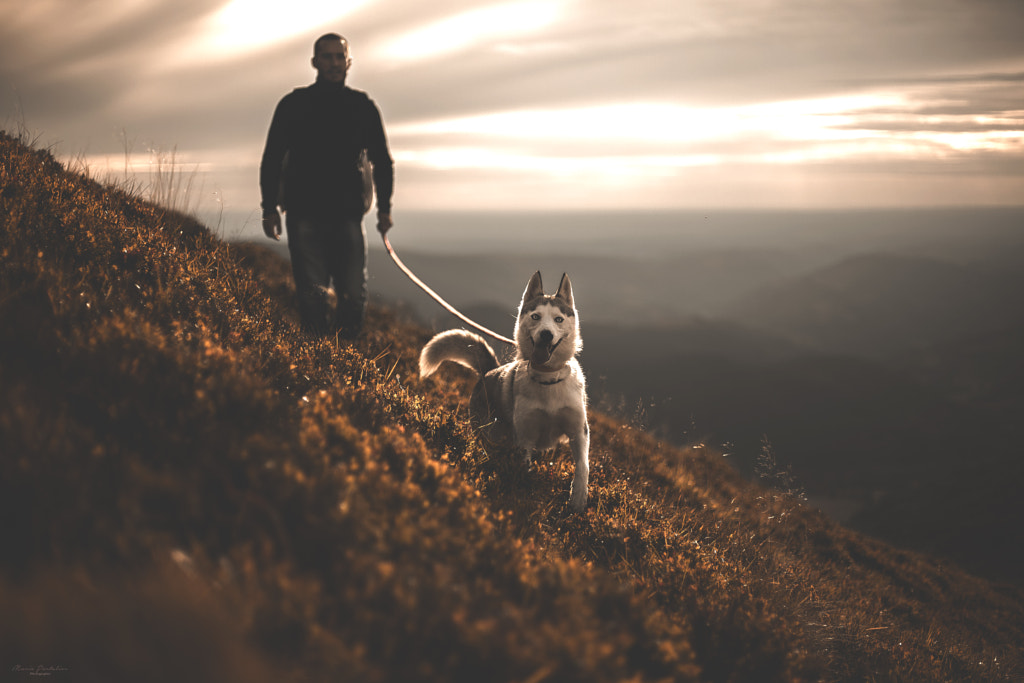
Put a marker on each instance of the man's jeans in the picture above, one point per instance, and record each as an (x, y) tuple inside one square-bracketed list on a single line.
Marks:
[(328, 252)]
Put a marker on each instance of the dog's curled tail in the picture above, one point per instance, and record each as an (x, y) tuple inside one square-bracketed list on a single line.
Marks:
[(460, 346)]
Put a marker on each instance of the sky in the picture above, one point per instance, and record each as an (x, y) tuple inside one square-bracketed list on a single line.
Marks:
[(548, 104)]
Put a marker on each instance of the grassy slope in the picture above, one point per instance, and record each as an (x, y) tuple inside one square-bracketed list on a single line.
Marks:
[(193, 488)]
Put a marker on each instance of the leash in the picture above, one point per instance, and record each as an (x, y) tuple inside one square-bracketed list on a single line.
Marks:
[(436, 297)]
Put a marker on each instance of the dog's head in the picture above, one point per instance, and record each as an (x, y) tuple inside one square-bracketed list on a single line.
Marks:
[(548, 327)]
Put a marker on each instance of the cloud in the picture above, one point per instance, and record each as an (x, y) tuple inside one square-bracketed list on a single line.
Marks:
[(713, 54), (241, 27), (546, 89), (469, 29), (67, 62)]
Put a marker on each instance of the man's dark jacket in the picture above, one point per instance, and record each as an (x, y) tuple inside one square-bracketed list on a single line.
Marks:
[(315, 141)]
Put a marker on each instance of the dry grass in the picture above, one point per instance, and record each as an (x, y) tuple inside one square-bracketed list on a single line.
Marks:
[(191, 484)]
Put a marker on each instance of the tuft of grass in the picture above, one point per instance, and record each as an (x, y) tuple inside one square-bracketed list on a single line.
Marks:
[(191, 483), (171, 186)]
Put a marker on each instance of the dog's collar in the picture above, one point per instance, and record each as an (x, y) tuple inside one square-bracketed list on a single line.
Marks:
[(548, 377)]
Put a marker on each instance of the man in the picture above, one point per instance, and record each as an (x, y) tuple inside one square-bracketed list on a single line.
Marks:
[(313, 167)]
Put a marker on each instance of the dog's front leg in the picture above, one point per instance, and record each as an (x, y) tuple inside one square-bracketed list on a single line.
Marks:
[(526, 430), (580, 445), (522, 450)]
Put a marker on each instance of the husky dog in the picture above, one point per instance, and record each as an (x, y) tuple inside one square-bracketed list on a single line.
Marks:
[(539, 399)]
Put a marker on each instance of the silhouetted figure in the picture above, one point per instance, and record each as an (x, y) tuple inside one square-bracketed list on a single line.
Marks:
[(314, 167)]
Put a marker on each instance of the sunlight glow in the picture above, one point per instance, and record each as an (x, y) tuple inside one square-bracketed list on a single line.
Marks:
[(661, 122), (499, 160), (772, 133), (246, 25), (475, 27)]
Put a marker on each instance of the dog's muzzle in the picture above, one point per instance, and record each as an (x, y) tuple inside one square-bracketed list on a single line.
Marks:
[(543, 348)]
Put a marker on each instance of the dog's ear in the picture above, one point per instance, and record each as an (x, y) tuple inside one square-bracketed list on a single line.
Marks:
[(565, 290), (534, 288)]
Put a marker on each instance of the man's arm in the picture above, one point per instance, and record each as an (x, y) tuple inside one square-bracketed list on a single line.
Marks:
[(383, 168), (270, 170)]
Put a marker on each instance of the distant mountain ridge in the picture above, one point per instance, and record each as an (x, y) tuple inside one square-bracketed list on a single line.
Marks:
[(878, 305), (613, 289)]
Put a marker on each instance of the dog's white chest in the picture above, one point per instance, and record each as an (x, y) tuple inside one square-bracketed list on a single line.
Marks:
[(546, 412)]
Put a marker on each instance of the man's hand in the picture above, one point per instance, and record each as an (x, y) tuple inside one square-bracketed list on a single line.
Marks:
[(272, 225), (384, 223)]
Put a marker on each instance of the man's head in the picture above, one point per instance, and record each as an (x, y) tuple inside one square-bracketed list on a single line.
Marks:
[(330, 58)]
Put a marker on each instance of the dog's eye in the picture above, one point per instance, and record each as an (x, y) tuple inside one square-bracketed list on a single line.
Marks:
[(559, 319), (535, 316)]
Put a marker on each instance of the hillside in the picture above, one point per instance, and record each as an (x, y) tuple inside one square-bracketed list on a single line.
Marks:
[(193, 489)]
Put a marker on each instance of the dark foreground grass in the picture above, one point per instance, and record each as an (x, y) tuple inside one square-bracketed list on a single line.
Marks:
[(194, 489)]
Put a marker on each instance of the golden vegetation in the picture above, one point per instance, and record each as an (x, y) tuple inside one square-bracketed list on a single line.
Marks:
[(194, 489)]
